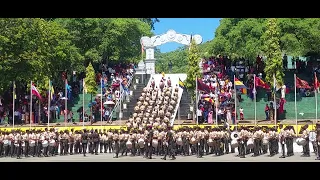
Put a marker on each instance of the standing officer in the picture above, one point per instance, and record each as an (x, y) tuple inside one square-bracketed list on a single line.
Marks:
[(115, 138), (96, 141), (84, 140), (169, 145), (149, 143)]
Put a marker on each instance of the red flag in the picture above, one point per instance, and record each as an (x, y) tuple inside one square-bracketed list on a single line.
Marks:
[(316, 82), (202, 86), (302, 83), (260, 83), (35, 91)]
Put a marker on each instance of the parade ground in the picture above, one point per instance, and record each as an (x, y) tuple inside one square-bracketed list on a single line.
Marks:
[(108, 157)]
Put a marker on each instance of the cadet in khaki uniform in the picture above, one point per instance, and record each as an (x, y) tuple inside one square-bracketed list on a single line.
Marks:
[(71, 141), (96, 140), (115, 138)]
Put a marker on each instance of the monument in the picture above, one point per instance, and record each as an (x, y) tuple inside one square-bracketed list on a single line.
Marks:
[(147, 66)]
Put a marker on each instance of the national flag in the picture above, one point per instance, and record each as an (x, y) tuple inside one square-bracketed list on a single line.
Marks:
[(181, 84), (51, 90), (302, 83), (190, 42), (202, 86), (84, 87), (239, 84), (316, 82), (35, 91), (260, 83), (14, 90)]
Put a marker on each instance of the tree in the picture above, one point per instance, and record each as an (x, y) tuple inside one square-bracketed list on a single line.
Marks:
[(193, 69), (90, 82), (274, 65)]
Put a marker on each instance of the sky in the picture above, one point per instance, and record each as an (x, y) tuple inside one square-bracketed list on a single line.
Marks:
[(202, 26)]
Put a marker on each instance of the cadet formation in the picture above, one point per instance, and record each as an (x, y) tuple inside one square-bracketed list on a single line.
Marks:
[(163, 142)]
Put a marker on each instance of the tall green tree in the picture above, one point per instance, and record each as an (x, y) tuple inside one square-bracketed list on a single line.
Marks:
[(90, 81), (274, 65), (193, 69)]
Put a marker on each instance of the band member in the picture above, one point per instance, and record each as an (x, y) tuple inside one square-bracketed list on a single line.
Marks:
[(169, 143), (84, 141), (115, 138), (26, 143), (282, 139), (91, 142), (71, 141), (149, 143), (305, 135), (17, 144), (289, 140), (1, 143), (256, 142), (60, 139), (96, 141), (272, 142), (241, 141), (11, 140), (102, 140), (318, 141), (109, 141)]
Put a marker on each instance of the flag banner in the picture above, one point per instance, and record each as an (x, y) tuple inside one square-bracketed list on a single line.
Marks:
[(239, 84), (181, 84), (302, 83), (202, 86), (35, 91), (260, 83)]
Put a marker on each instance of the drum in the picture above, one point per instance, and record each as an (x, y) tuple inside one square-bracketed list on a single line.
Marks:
[(179, 141), (193, 140), (23, 144), (52, 142), (265, 141), (129, 144), (141, 143), (45, 143), (312, 136), (210, 142), (6, 142), (234, 143), (301, 141), (32, 143), (250, 143), (16, 143), (154, 143)]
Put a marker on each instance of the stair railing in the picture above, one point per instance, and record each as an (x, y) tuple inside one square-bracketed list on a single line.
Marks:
[(121, 97)]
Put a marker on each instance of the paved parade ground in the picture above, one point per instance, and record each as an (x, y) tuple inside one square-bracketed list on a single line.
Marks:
[(209, 158)]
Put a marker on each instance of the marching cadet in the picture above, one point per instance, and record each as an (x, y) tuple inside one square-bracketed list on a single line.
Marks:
[(227, 139), (56, 137), (77, 138), (52, 139), (91, 142), (256, 140), (185, 141), (61, 142), (110, 141), (289, 140), (149, 147), (84, 141), (11, 138), (17, 144), (102, 140), (6, 144), (38, 143), (318, 141), (272, 137), (122, 142), (264, 147), (133, 138), (305, 135), (71, 141), (26, 143), (282, 139), (1, 143), (115, 138), (169, 143), (96, 140)]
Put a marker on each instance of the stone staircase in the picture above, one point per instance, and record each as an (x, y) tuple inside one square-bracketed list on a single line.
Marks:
[(184, 106), (136, 94)]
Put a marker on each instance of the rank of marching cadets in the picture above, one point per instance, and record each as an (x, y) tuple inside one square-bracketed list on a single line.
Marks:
[(166, 143)]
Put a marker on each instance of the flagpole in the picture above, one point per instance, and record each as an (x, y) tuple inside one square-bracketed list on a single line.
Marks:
[(235, 101), (120, 103), (216, 103), (83, 102), (30, 116), (255, 99), (275, 100), (295, 102), (101, 103), (13, 100), (315, 94), (197, 100), (66, 104), (49, 101)]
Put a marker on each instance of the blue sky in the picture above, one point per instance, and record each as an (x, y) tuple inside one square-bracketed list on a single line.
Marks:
[(202, 26)]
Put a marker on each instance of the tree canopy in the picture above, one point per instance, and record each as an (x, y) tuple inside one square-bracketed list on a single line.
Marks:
[(242, 37), (41, 49)]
